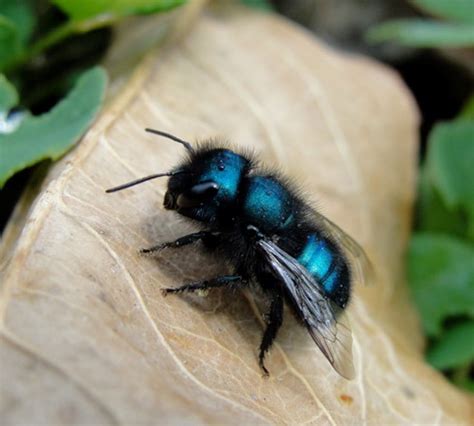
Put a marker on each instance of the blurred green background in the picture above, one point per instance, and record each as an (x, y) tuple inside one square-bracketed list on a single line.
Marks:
[(51, 89)]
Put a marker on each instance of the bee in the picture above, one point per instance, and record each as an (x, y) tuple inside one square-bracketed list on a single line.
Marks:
[(257, 221)]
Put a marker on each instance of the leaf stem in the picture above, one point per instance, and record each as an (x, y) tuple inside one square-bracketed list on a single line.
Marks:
[(50, 39)]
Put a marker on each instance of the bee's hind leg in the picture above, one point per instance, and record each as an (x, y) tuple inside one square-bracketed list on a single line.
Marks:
[(274, 319), (206, 284)]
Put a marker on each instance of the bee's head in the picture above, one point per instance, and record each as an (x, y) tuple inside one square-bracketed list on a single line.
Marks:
[(206, 183)]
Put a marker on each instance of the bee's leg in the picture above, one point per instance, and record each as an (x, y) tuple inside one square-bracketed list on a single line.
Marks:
[(204, 285), (180, 242), (274, 319)]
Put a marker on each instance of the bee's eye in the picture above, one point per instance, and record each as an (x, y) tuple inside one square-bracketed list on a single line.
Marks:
[(198, 194), (205, 189)]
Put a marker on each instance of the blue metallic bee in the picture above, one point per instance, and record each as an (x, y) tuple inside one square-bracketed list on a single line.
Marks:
[(272, 237)]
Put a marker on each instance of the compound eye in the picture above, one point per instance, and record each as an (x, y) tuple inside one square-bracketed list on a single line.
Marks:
[(205, 189), (198, 194)]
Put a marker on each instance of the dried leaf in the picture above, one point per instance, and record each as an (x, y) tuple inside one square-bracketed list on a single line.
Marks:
[(87, 336)]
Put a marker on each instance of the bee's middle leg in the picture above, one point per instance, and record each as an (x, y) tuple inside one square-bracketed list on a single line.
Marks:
[(221, 281)]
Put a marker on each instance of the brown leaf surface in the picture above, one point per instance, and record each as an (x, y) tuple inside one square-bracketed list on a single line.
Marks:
[(86, 336)]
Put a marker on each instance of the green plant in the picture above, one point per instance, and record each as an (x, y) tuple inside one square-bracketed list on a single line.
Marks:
[(456, 29), (17, 23), (441, 253), (258, 4), (26, 139), (49, 135)]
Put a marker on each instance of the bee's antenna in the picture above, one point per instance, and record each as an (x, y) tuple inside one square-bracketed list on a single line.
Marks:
[(143, 179), (187, 145)]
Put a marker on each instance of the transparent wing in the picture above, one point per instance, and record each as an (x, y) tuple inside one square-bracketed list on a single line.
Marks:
[(323, 319), (362, 268)]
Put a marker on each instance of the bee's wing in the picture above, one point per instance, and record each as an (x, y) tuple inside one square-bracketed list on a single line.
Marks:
[(362, 268), (323, 319)]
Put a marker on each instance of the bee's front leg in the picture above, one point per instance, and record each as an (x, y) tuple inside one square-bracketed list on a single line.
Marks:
[(180, 242)]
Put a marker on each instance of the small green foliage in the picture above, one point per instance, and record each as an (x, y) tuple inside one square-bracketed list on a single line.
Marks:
[(16, 24), (456, 10), (432, 213), (455, 348), (20, 14), (441, 274), (468, 109), (456, 30), (10, 45), (8, 96), (78, 10), (423, 33), (450, 165), (441, 255), (84, 16), (258, 4), (467, 384), (52, 134)]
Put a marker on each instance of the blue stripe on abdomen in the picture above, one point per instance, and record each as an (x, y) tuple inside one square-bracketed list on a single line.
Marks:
[(319, 259)]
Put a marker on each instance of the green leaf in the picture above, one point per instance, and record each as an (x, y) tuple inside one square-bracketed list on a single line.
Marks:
[(441, 275), (10, 45), (84, 9), (432, 214), (52, 134), (8, 95), (450, 161), (467, 111), (466, 383), (20, 13), (456, 10), (454, 348), (423, 33), (258, 4)]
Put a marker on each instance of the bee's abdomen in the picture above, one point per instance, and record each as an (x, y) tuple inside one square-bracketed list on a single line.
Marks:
[(267, 204), (328, 266)]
